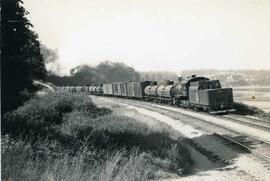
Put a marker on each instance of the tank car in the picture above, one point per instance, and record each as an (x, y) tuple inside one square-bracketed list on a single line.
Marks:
[(99, 90), (72, 89), (150, 91), (78, 88), (165, 91), (83, 88)]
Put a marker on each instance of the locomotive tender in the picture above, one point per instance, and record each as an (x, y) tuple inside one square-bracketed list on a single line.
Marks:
[(198, 93)]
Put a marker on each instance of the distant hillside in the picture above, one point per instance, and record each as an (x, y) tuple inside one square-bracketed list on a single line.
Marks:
[(227, 77), (234, 77), (158, 75)]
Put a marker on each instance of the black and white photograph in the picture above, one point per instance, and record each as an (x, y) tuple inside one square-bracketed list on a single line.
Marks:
[(135, 90)]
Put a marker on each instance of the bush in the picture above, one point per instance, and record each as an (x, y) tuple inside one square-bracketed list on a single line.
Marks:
[(42, 115), (55, 134), (244, 109)]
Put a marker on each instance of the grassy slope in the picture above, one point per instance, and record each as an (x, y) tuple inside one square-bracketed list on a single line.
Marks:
[(67, 137), (244, 109)]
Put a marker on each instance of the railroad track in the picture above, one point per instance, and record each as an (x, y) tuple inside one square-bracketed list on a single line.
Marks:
[(261, 155), (261, 127), (250, 121), (228, 138)]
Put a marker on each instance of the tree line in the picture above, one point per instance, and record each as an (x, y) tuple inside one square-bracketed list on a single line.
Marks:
[(104, 72)]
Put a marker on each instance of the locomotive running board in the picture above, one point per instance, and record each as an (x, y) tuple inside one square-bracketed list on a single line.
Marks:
[(222, 111)]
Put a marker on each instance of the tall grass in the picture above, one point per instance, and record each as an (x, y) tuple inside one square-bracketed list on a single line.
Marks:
[(67, 137), (19, 162)]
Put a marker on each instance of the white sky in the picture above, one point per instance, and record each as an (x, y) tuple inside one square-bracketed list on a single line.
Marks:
[(156, 34)]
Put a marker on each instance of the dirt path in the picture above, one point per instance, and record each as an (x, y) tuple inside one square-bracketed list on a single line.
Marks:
[(214, 158)]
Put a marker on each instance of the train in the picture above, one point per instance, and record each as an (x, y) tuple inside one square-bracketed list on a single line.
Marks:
[(194, 92)]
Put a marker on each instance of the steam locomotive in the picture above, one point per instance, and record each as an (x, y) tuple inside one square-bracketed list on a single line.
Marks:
[(198, 93)]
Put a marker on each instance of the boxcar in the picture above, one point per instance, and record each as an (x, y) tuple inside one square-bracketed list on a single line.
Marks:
[(108, 89), (139, 89), (123, 87), (117, 89), (130, 89)]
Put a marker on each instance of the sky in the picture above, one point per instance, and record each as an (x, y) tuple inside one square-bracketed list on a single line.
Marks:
[(154, 35)]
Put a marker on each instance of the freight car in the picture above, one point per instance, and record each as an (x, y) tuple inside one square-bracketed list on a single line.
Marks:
[(138, 88), (116, 89), (130, 90), (198, 93), (98, 90), (123, 89), (108, 89)]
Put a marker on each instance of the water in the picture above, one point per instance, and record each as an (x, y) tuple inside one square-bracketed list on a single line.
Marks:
[(258, 96)]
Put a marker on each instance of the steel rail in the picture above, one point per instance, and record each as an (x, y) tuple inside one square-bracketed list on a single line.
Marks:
[(267, 158), (246, 147)]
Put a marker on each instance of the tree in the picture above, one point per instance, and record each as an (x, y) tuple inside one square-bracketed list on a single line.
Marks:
[(21, 58), (84, 75), (102, 73), (116, 72), (50, 59)]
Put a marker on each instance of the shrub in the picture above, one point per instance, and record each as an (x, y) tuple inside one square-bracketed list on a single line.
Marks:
[(42, 115), (58, 133), (244, 109)]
